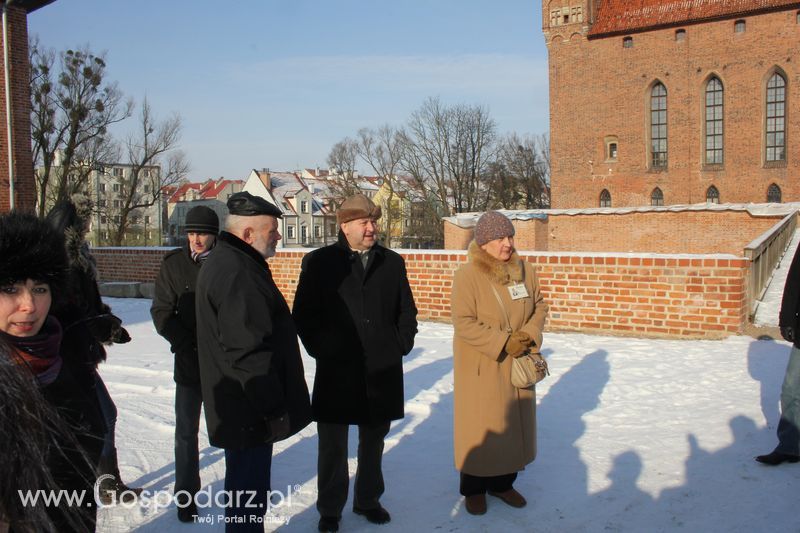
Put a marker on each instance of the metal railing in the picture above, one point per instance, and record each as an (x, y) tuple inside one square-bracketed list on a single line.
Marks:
[(765, 253)]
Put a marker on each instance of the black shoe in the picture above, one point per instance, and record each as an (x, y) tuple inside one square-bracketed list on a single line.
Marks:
[(188, 513), (378, 515), (328, 523), (775, 458)]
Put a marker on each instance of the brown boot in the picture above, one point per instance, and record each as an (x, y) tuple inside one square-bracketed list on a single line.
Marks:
[(475, 504), (111, 488), (511, 497)]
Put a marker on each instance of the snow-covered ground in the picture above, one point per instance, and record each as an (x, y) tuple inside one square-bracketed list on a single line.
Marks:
[(634, 435)]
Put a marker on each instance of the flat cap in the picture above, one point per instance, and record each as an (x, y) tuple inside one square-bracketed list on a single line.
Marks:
[(357, 206), (246, 205)]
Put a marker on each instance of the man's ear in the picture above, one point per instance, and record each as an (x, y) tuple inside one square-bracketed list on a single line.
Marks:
[(247, 235)]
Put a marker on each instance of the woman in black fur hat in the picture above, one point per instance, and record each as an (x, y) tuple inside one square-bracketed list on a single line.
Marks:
[(31, 277), (88, 322)]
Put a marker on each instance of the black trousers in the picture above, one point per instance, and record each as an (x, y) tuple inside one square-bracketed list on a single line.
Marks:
[(188, 401), (472, 485), (333, 478), (247, 484)]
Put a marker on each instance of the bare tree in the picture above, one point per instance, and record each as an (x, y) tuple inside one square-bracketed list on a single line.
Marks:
[(72, 108), (382, 151), (519, 178), (343, 163), (148, 173), (447, 151)]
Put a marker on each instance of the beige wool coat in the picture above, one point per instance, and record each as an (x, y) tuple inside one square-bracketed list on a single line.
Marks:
[(495, 422)]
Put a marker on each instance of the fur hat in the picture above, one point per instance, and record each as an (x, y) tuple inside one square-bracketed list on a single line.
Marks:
[(202, 219), (355, 207), (492, 225), (31, 249)]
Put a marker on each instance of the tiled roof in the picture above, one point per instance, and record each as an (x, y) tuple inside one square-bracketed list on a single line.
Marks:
[(629, 16)]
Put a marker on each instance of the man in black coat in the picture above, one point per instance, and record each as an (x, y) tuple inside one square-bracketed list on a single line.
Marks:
[(174, 318), (254, 389), (356, 316), (788, 449)]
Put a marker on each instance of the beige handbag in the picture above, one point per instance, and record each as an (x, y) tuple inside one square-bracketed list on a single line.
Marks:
[(526, 370)]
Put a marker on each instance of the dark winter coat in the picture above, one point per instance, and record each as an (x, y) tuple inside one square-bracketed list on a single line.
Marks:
[(789, 316), (250, 365), (358, 324), (73, 454), (173, 312)]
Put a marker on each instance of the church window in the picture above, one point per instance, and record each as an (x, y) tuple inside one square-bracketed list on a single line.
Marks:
[(657, 197), (714, 122), (739, 26), (776, 118), (774, 194), (658, 126), (605, 198), (712, 195)]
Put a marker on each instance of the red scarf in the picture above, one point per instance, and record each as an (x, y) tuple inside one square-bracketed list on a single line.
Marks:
[(39, 353)]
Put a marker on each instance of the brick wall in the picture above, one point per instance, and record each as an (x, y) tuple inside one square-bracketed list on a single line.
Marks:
[(668, 232), (599, 89), (621, 294), (24, 186)]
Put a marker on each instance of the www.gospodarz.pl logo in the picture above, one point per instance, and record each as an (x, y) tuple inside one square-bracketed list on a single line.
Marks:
[(205, 499)]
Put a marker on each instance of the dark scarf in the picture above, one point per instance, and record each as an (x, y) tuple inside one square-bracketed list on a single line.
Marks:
[(39, 353)]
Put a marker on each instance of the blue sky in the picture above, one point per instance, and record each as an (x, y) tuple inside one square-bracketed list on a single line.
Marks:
[(275, 83)]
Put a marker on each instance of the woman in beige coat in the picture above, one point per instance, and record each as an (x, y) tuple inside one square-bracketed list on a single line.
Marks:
[(495, 422)]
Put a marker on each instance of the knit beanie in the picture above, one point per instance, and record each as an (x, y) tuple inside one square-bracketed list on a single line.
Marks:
[(355, 207), (202, 219), (492, 225)]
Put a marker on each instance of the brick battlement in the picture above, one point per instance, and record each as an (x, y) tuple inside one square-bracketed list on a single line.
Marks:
[(651, 295)]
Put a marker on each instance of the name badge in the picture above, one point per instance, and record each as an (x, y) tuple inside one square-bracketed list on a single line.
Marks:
[(518, 291)]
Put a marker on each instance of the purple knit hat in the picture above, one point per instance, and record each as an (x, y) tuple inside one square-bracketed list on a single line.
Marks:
[(492, 225)]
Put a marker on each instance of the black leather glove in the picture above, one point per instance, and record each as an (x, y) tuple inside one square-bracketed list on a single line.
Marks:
[(103, 326), (120, 336), (788, 333)]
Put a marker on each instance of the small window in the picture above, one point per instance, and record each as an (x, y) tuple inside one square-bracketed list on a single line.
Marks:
[(798, 17), (627, 42), (680, 35), (147, 219), (657, 197), (712, 195), (147, 188), (103, 220), (774, 194), (304, 206), (304, 234), (102, 187), (739, 26), (317, 231), (332, 230), (605, 198), (115, 187), (117, 203), (290, 232), (117, 172), (612, 150)]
